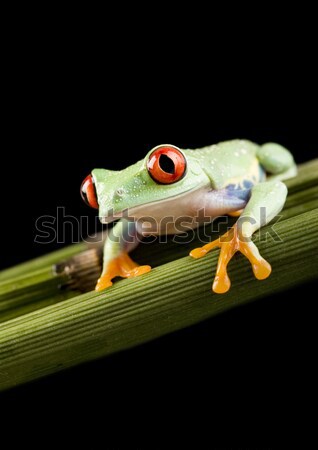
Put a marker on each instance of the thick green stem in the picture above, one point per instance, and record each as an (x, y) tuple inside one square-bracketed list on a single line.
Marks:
[(33, 285), (175, 294), (27, 293), (41, 262), (134, 311)]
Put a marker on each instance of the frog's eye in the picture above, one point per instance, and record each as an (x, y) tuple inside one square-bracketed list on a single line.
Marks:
[(166, 164), (88, 192)]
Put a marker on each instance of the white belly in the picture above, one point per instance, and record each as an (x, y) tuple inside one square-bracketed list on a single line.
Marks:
[(178, 215)]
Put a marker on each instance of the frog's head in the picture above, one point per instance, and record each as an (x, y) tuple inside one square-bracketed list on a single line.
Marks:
[(165, 173)]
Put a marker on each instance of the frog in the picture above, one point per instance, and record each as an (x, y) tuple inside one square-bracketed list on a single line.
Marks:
[(236, 177)]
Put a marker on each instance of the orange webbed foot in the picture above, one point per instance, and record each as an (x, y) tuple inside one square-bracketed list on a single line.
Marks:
[(122, 266), (230, 243)]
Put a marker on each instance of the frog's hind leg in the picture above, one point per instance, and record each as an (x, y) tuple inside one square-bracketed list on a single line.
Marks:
[(277, 161), (122, 238), (266, 201)]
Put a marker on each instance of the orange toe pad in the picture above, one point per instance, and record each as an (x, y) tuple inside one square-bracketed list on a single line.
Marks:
[(122, 266)]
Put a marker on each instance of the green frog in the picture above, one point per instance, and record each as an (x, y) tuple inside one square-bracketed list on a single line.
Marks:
[(236, 177)]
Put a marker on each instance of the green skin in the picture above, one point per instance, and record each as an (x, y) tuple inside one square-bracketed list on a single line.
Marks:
[(220, 179)]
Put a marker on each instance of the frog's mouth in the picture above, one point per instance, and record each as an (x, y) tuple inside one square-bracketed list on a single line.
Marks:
[(113, 217), (174, 206)]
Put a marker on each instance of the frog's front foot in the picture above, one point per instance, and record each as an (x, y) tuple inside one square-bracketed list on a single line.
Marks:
[(122, 266), (230, 243)]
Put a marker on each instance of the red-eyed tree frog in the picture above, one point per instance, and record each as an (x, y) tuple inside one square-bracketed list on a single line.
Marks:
[(236, 177)]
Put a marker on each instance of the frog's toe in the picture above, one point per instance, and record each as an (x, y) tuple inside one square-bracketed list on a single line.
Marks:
[(261, 268), (221, 283), (139, 270), (199, 252), (103, 282), (122, 266)]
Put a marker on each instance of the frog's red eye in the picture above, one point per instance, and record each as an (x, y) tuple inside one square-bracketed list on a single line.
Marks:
[(166, 164), (88, 192)]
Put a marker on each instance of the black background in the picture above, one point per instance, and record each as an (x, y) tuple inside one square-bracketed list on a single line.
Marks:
[(76, 102)]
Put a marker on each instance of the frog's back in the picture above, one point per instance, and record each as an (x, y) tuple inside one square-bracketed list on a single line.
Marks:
[(228, 162)]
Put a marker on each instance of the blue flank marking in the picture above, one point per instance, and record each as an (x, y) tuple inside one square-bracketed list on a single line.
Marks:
[(248, 184), (241, 191)]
